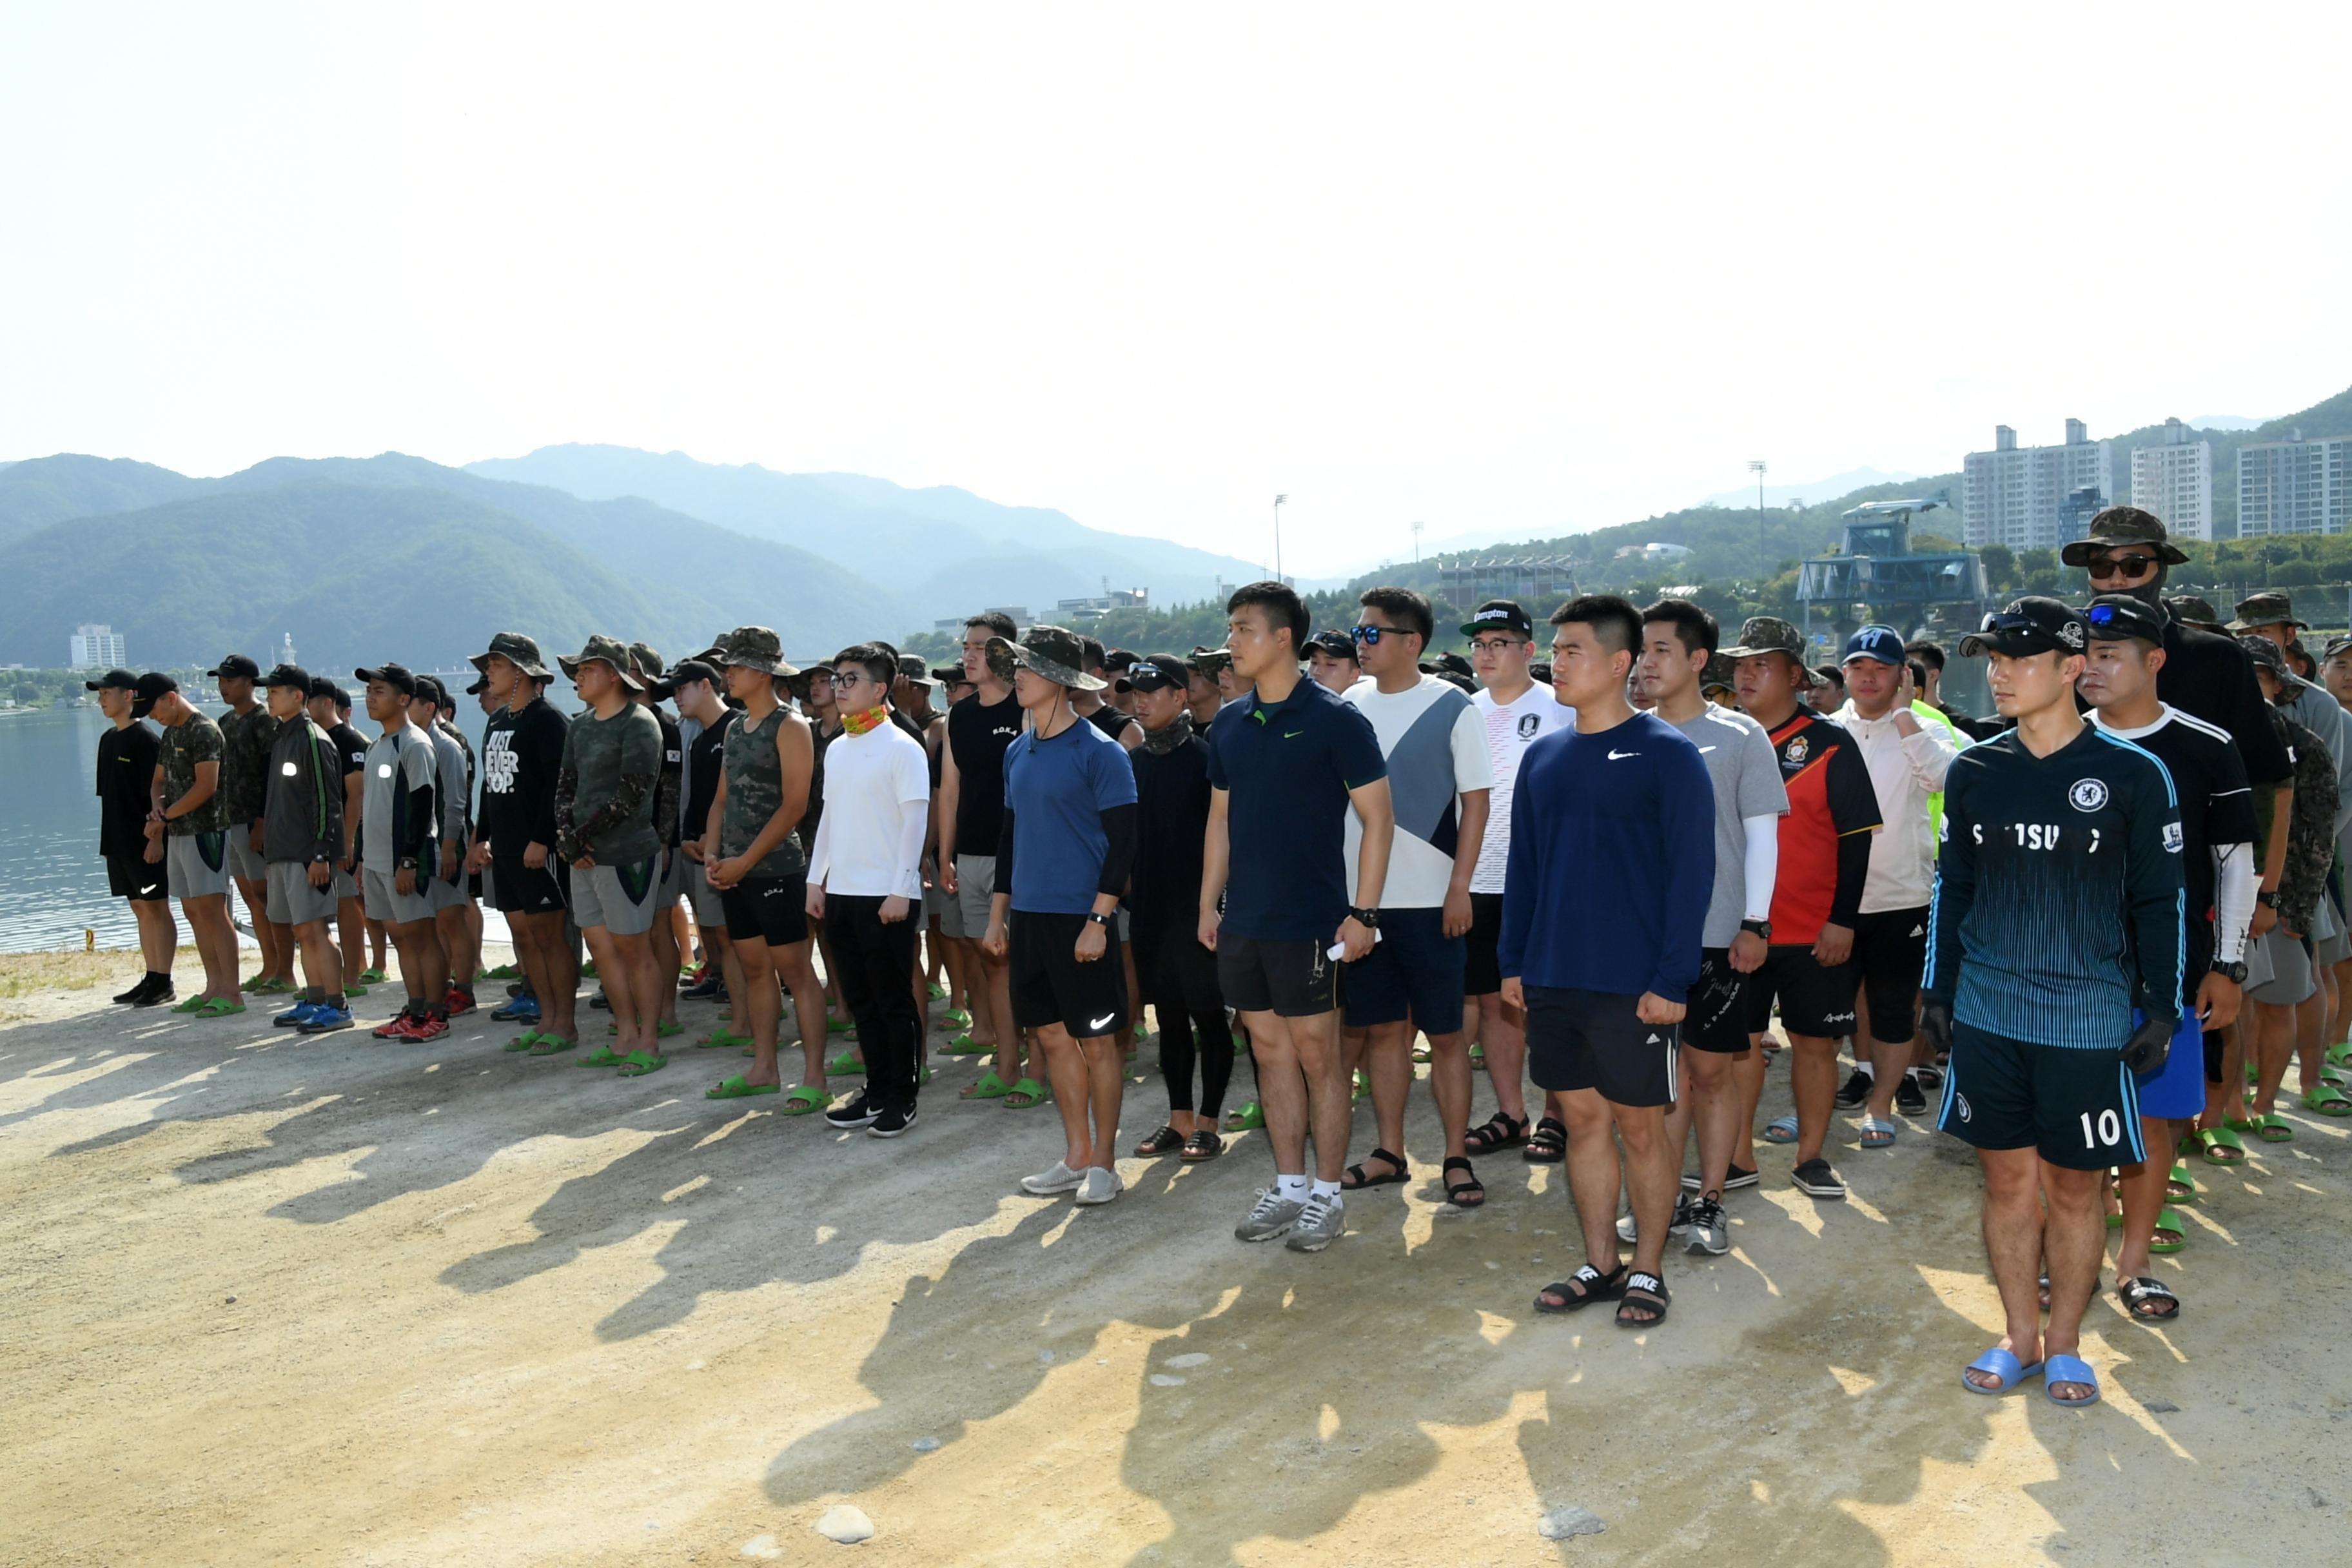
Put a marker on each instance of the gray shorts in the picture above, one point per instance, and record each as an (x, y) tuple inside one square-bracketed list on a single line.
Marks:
[(624, 899), (195, 865), (384, 900), (1123, 919), (975, 886), (674, 866), (292, 901), (709, 913), (2330, 944), (346, 885), (449, 895), (245, 862), (936, 901), (2291, 977)]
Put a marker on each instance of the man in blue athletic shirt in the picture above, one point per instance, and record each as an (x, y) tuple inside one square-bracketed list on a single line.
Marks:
[(2058, 911), (1611, 870)]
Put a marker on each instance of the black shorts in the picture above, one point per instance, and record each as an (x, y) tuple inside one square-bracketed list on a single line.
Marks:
[(1176, 973), (2080, 1108), (474, 887), (1593, 1040), (770, 909), (520, 889), (1814, 1000), (1291, 977), (1717, 1018), (1890, 954), (1482, 969), (1051, 986), (130, 877), (1414, 972)]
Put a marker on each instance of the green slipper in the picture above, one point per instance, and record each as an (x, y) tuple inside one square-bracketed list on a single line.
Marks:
[(922, 1075), (833, 1026), (965, 1046), (190, 1005), (636, 1064), (2340, 1055), (551, 1046), (1025, 1094), (371, 977), (273, 988), (1421, 1053), (800, 1099), (956, 1018), (601, 1057), (2327, 1101), (847, 1064), (2270, 1127), (667, 1030), (523, 1041), (990, 1087), (1247, 1118), (588, 969), (2169, 1221), (736, 1088), (1478, 1057), (2179, 1187), (220, 1007), (937, 992), (354, 989), (721, 1038), (503, 971), (1361, 1087), (2211, 1141)]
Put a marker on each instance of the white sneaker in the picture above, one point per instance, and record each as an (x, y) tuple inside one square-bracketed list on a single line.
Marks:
[(1044, 1183), (1098, 1185)]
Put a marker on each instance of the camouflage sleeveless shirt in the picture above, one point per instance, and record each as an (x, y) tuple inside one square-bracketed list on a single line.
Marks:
[(755, 791)]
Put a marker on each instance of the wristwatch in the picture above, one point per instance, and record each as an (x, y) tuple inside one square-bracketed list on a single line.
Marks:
[(1369, 919), (1758, 928), (1096, 917), (2234, 972), (2269, 900)]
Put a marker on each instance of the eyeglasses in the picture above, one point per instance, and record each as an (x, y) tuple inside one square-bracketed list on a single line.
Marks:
[(2101, 566), (851, 677), (1496, 644)]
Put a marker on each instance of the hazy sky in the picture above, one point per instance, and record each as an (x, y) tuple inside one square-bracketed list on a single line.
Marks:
[(1480, 266)]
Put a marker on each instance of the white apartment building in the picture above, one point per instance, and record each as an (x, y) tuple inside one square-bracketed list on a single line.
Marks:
[(2017, 495), (2174, 480), (2295, 486), (95, 647)]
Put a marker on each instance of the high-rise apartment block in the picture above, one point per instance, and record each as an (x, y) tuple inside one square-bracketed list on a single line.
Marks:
[(2295, 486), (95, 647), (2174, 480), (2018, 496)]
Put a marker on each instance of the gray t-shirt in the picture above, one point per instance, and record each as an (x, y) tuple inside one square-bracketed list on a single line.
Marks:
[(396, 821), (1746, 773)]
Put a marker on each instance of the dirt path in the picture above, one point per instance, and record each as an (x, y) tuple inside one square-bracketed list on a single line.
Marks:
[(265, 1299)]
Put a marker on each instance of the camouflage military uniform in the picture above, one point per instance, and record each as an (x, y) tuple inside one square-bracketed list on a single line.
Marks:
[(245, 740), (196, 740), (2311, 829), (755, 793)]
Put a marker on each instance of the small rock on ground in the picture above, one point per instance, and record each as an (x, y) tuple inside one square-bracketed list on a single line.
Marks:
[(845, 1524), (1190, 1357), (1166, 1380), (2159, 1407), (924, 1445), (1567, 1520)]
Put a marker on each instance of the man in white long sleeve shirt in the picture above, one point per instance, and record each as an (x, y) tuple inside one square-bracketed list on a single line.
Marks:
[(864, 882), (1678, 639), (1907, 756)]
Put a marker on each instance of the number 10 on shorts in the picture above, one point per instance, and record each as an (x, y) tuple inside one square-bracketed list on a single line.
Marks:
[(2106, 1135)]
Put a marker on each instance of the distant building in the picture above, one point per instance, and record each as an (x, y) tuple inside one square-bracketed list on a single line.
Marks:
[(285, 650), (2295, 486), (1653, 551), (2174, 480), (1102, 604), (2017, 495), (95, 647)]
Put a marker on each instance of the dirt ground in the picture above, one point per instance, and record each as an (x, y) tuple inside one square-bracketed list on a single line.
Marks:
[(265, 1299)]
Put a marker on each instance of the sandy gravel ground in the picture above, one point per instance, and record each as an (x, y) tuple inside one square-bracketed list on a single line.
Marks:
[(273, 1299)]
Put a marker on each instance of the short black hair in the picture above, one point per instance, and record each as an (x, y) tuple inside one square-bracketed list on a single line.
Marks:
[(1282, 605), (996, 621), (1927, 651), (1090, 650), (1695, 626), (878, 659), (1616, 623), (1409, 609)]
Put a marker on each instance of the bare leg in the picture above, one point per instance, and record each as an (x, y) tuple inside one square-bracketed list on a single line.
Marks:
[(2074, 1242), (1593, 1176), (2013, 1244), (1106, 1068), (798, 975), (1066, 1069), (1747, 1078), (1712, 1098), (2273, 1044), (1388, 1052), (1813, 1077), (158, 934), (1449, 1085), (320, 967), (1888, 1062), (216, 942), (661, 961), (1502, 1030), (1652, 1175), (2311, 1032), (2142, 1190), (760, 1005)]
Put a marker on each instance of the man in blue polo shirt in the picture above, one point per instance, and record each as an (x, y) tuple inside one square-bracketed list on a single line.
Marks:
[(1286, 763)]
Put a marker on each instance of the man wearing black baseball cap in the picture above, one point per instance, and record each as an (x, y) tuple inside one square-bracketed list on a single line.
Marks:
[(187, 819), (398, 841), (331, 710), (135, 863), (302, 837), (1331, 660), (247, 729), (2054, 976), (453, 788)]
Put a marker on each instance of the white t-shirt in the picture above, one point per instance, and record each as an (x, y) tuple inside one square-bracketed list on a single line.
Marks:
[(869, 780), (1510, 727), (1436, 749)]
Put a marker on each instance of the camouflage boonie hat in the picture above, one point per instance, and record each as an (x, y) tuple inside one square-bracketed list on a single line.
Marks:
[(517, 650), (1768, 633), (1716, 677), (755, 647), (2265, 653), (607, 650), (2266, 610), (2190, 610), (1208, 660), (647, 662), (2115, 526), (1054, 652)]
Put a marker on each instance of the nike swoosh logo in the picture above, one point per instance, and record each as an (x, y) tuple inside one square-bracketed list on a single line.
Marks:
[(1292, 735), (1620, 756), (1098, 1024)]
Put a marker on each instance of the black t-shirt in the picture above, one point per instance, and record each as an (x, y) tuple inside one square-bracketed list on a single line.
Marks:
[(1172, 819), (2216, 806), (819, 739), (2210, 677), (705, 760), (978, 736), (126, 775), (521, 759), (1110, 720)]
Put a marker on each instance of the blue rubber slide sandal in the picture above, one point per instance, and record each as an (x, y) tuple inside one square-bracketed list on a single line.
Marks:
[(2070, 1369), (1783, 1130), (2004, 1366)]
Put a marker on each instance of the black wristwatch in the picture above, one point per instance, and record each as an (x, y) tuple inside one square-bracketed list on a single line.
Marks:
[(1758, 928), (1096, 917), (2234, 972), (2268, 900), (1369, 919)]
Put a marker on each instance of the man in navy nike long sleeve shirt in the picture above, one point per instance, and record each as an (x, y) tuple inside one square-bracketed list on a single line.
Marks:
[(1604, 910)]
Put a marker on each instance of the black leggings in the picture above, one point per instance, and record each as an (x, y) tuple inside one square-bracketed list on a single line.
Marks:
[(1215, 1052)]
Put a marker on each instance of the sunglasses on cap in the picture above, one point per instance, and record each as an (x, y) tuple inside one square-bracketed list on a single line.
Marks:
[(2101, 616), (2100, 566), (2007, 621)]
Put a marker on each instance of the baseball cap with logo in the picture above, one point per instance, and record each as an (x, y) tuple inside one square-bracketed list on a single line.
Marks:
[(395, 676), (292, 675), (2266, 610), (517, 650), (2335, 645), (147, 689), (1161, 672), (2116, 615), (2029, 626), (602, 650), (235, 667), (1768, 633), (1333, 643), (112, 681), (1500, 616), (1882, 642), (2114, 527)]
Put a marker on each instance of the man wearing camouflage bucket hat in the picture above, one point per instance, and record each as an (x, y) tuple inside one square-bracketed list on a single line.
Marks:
[(606, 833), (2270, 617), (515, 834), (1065, 846)]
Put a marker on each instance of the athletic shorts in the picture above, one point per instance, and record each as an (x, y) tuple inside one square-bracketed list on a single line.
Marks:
[(1814, 1000), (1414, 972), (449, 895), (935, 898), (520, 889), (622, 899), (975, 886), (1595, 1041), (769, 909), (1482, 969), (1177, 975), (2176, 1091), (1716, 1020), (292, 901), (347, 886), (1051, 986), (385, 901), (2079, 1107), (2290, 979), (1890, 954), (134, 877), (674, 865), (2329, 943), (1291, 977), (709, 904), (245, 862), (195, 865)]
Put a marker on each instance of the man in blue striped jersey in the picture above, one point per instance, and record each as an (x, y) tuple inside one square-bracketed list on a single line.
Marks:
[(2054, 963)]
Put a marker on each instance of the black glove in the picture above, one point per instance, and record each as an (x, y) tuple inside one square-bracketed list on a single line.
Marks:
[(1935, 1023), (2149, 1044)]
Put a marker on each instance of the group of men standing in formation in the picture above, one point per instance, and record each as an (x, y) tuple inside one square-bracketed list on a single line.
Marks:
[(1602, 873)]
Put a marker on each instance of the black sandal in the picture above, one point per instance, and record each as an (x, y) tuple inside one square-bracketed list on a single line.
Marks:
[(1458, 1193), (1166, 1141), (1202, 1145), (1644, 1290), (2148, 1290), (1501, 1131), (1356, 1178), (1582, 1289), (1548, 1144)]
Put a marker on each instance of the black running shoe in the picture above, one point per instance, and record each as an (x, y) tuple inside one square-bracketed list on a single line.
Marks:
[(1856, 1090), (856, 1111), (892, 1122), (138, 993), (1910, 1096), (157, 996)]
